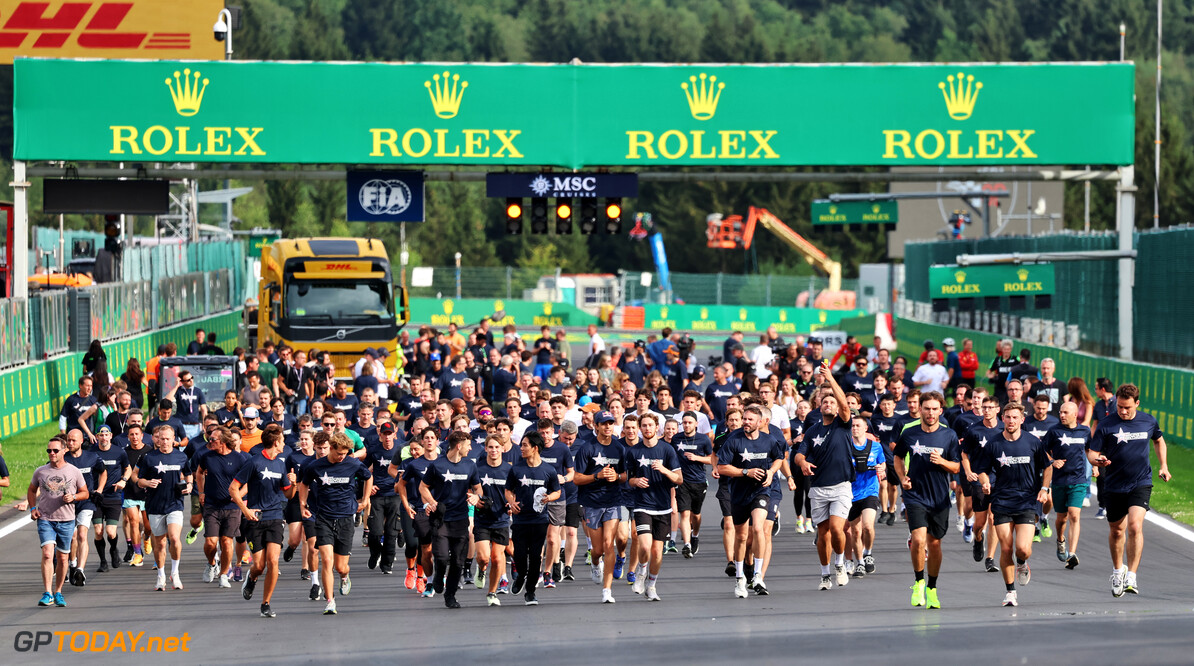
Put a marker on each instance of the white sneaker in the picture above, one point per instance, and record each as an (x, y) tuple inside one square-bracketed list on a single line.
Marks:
[(345, 585), (961, 524), (826, 583), (607, 595), (849, 567), (740, 587), (1010, 599), (640, 582), (1130, 583), (209, 574), (1086, 503), (652, 595), (161, 584), (839, 574), (595, 572), (330, 609), (176, 581), (1117, 583), (224, 582), (1023, 574), (800, 526)]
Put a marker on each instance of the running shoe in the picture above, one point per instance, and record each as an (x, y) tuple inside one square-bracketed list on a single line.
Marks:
[(960, 524), (568, 573), (839, 574), (882, 519), (103, 567), (529, 598), (374, 557), (670, 547), (313, 595), (1130, 583), (548, 581), (365, 537), (687, 551), (595, 573), (977, 547), (640, 584), (148, 547), (492, 600), (112, 555), (652, 594), (503, 586), (826, 582), (1046, 531), (759, 587), (631, 577), (224, 581), (266, 611), (209, 573), (1101, 514), (128, 554), (967, 533), (519, 581), (387, 570), (304, 574), (247, 558), (330, 609), (410, 579), (237, 573), (1036, 537), (59, 600), (428, 593), (1086, 502), (1023, 574), (800, 525), (479, 581), (246, 588), (1072, 563), (868, 561), (1062, 553), (288, 554), (1010, 599), (450, 602), (748, 570), (849, 567), (931, 600), (345, 585), (47, 599), (990, 565), (619, 564), (696, 545), (891, 518), (731, 570), (175, 581), (918, 593), (740, 587), (466, 576), (607, 595), (859, 572), (192, 535), (775, 526), (160, 586), (557, 572), (589, 556)]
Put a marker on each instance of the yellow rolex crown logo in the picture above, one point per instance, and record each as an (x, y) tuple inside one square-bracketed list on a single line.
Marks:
[(783, 315), (499, 305), (1023, 274), (703, 95), (704, 313), (875, 208), (742, 314), (960, 276), (663, 312), (833, 210), (448, 305), (445, 94), (547, 308), (960, 95), (186, 92)]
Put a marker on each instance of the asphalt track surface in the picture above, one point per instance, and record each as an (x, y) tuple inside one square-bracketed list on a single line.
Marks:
[(1065, 616)]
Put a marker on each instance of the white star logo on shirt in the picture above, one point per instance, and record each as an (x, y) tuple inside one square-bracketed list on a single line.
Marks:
[(162, 467), (1121, 436), (1037, 433), (602, 461), (486, 481), (982, 443), (1004, 460), (526, 481), (644, 461), (327, 480), (818, 440), (918, 449)]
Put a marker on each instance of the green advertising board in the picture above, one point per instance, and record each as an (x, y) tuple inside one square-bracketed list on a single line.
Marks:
[(855, 212), (258, 241), (556, 115), (981, 281), (748, 319), (465, 312)]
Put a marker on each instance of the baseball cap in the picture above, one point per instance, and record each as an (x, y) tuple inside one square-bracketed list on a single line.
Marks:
[(103, 428), (591, 407), (948, 342), (603, 417), (698, 371), (370, 351), (383, 352), (386, 428), (434, 356), (251, 413)]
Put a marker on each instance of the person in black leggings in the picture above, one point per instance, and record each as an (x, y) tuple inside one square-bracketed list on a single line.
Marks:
[(529, 487)]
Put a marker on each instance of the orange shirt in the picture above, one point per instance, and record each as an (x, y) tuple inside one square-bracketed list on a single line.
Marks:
[(151, 368), (247, 441)]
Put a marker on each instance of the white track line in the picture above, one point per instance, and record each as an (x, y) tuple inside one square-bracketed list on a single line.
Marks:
[(21, 521)]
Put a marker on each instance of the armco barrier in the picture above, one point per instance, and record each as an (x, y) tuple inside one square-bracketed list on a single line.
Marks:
[(33, 394), (1166, 393)]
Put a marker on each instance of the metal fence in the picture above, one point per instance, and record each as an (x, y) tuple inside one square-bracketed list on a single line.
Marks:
[(14, 331), (181, 298), (219, 290), (49, 316), (119, 309)]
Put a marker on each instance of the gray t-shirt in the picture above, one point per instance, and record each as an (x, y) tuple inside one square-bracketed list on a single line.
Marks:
[(53, 483)]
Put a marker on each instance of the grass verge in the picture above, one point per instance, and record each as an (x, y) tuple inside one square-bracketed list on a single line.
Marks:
[(23, 453), (1175, 498)]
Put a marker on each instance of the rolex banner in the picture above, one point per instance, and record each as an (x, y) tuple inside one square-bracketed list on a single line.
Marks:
[(574, 116), (991, 280)]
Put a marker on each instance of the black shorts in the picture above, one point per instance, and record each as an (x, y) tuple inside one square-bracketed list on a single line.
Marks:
[(308, 529), (1117, 504), (891, 475), (980, 501), (1016, 518), (423, 530), (497, 535), (937, 522), (690, 497), (221, 523), (741, 513), (109, 510), (659, 527), (858, 506), (335, 532), (967, 487), (572, 515), (261, 532), (293, 513)]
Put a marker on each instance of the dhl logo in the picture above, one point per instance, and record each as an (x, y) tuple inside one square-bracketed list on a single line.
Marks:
[(337, 267), (100, 29)]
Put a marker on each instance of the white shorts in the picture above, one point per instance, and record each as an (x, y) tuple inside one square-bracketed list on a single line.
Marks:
[(158, 522), (83, 517), (829, 501)]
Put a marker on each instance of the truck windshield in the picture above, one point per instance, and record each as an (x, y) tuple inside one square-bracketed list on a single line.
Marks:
[(339, 301)]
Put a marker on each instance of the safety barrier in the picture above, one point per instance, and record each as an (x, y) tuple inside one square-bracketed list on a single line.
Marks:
[(14, 331), (118, 310), (181, 298), (49, 317)]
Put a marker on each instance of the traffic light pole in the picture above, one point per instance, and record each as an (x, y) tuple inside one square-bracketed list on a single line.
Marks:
[(985, 213)]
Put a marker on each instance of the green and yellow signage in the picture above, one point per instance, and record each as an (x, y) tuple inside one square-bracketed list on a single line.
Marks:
[(855, 212), (562, 116), (982, 281), (746, 318)]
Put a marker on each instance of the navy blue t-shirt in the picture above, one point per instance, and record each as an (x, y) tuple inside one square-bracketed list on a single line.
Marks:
[(1041, 428), (975, 443), (744, 453), (89, 464), (115, 462), (449, 385), (378, 458), (171, 468), (220, 470), (449, 483), (601, 494), (287, 423), (226, 416), (886, 429), (1068, 444), (74, 407), (188, 402), (523, 481), (412, 474), (930, 482), (347, 404), (829, 448), (716, 395), (560, 459), (335, 486), (699, 445), (657, 496), (493, 488), (636, 369), (1125, 443), (267, 482), (179, 433), (1018, 467)]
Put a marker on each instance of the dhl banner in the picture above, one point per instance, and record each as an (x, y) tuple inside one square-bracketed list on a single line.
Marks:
[(558, 115), (176, 29)]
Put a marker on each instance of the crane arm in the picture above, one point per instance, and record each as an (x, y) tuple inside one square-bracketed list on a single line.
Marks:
[(811, 253)]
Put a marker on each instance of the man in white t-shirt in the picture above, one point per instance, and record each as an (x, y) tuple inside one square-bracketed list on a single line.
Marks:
[(932, 376), (596, 344), (762, 357)]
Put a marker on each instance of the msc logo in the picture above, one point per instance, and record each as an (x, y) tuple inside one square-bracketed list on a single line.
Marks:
[(445, 98), (960, 93), (702, 100), (186, 91), (960, 98), (703, 94)]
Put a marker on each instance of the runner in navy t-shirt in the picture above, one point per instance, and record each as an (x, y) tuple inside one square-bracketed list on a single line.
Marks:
[(491, 521), (530, 485), (261, 489), (749, 459), (1067, 445), (974, 445), (449, 487)]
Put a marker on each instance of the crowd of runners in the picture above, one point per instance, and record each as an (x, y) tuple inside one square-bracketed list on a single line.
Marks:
[(494, 466)]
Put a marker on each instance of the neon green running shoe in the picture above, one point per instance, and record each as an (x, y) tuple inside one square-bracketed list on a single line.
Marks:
[(918, 593)]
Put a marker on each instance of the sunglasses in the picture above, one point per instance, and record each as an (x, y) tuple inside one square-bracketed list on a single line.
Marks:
[(329, 424), (53, 450)]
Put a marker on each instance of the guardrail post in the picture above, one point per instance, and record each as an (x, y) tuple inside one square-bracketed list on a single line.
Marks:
[(719, 278)]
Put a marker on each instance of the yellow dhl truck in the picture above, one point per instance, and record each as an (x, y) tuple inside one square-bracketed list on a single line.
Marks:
[(332, 294)]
